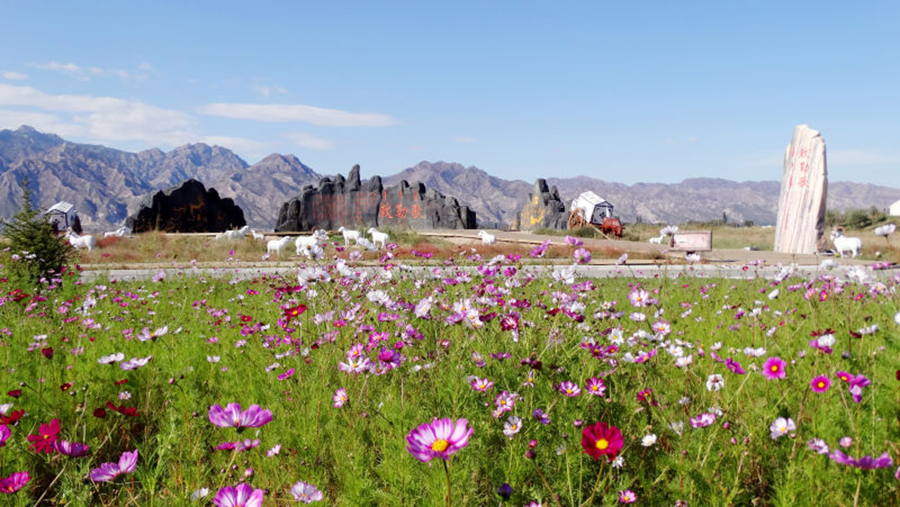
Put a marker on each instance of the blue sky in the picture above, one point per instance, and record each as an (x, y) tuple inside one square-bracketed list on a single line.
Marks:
[(622, 91)]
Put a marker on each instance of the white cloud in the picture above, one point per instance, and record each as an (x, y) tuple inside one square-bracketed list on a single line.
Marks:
[(45, 122), (106, 118), (464, 139), (84, 74), (266, 90), (298, 113), (14, 76), (62, 67), (310, 141), (238, 144)]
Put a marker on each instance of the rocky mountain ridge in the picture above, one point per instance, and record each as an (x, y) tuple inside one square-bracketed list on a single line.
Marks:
[(106, 184)]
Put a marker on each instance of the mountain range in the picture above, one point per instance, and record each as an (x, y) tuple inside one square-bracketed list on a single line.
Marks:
[(106, 185)]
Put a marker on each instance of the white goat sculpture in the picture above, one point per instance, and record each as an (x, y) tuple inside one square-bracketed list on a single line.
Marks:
[(379, 237), (349, 235), (658, 240), (845, 244), (121, 232), (308, 242), (80, 242), (258, 236), (238, 234), (486, 238), (277, 246)]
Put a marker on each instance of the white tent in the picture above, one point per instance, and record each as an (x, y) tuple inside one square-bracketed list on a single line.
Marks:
[(894, 210)]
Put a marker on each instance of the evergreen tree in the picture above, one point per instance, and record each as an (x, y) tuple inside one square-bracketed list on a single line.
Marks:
[(37, 251)]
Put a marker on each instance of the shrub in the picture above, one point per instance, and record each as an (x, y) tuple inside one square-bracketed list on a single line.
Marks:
[(35, 249)]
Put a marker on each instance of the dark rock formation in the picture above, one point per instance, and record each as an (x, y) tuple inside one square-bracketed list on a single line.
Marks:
[(188, 207), (353, 204), (543, 209)]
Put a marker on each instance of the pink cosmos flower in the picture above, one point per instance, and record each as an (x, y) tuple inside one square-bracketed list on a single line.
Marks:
[(232, 416), (820, 384), (72, 449), (108, 471), (595, 386), (703, 420), (339, 398), (773, 368), (306, 493), (865, 462), (135, 362), (573, 241), (627, 496), (856, 385), (242, 495), (14, 482), (440, 438), (639, 298), (481, 384), (570, 389), (582, 256), (4, 435), (286, 375), (239, 446)]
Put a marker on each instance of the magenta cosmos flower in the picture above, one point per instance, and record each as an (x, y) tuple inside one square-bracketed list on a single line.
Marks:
[(774, 368), (440, 438), (232, 417), (4, 435), (600, 439), (820, 384), (43, 440), (242, 495), (14, 482), (108, 471)]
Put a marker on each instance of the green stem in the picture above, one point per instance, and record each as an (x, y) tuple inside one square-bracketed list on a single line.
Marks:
[(596, 483), (447, 473)]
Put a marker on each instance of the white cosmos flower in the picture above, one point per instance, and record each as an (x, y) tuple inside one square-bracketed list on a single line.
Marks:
[(648, 440), (782, 427), (715, 382)]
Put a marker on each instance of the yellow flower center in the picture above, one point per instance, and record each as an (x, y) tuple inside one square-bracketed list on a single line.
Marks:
[(602, 444), (775, 368), (821, 385), (440, 445)]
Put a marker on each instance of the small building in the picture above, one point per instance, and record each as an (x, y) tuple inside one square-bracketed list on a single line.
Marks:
[(63, 215), (894, 210)]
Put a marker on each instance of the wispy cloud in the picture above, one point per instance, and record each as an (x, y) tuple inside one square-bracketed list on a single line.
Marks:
[(241, 145), (464, 139), (103, 118), (298, 113), (14, 76), (310, 141), (86, 73), (267, 90)]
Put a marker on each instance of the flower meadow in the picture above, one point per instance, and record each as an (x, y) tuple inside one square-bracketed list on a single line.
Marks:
[(474, 381)]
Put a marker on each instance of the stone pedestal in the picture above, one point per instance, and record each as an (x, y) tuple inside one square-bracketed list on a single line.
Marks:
[(800, 223)]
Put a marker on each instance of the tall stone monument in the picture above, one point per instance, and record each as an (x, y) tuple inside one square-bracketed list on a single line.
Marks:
[(800, 223)]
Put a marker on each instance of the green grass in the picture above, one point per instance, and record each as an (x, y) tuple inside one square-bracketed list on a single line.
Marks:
[(357, 454)]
